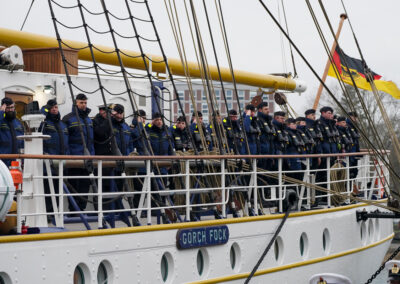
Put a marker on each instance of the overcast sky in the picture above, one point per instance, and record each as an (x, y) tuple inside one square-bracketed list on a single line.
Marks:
[(255, 41)]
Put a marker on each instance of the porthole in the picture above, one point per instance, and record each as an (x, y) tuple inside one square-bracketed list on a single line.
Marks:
[(167, 267), (104, 273), (363, 232), (326, 241), (200, 262), (232, 257), (278, 250), (235, 257), (81, 274), (303, 245), (4, 278), (370, 230)]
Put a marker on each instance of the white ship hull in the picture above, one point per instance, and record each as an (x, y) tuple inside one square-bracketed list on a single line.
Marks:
[(134, 255)]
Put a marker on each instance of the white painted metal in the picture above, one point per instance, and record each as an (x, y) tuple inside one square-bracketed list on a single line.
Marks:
[(7, 190)]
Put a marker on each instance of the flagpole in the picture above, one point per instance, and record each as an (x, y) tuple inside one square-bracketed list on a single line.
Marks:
[(328, 63)]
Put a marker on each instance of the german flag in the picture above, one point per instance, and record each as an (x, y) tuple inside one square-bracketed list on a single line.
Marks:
[(356, 69)]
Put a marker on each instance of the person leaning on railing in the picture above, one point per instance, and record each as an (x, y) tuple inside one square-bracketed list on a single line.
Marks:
[(10, 128), (57, 144)]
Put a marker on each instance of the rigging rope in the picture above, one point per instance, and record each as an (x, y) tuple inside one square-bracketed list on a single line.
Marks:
[(376, 135), (370, 144), (27, 14)]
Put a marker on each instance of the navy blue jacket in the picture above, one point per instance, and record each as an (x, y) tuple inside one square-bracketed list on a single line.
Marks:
[(267, 133), (197, 138), (159, 140), (75, 141), (252, 132), (282, 138), (123, 136), (9, 130), (234, 135), (330, 134), (296, 146), (354, 135), (58, 132), (181, 138)]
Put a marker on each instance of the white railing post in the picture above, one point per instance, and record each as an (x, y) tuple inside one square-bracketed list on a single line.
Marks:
[(364, 182), (255, 198), (148, 185), (328, 179), (19, 209), (280, 184), (61, 192), (100, 194), (223, 191), (187, 188), (308, 172)]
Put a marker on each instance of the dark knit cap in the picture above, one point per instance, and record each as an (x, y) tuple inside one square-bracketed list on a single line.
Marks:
[(309, 111)]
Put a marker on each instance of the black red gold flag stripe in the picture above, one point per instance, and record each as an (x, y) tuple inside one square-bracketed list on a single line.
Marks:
[(357, 70)]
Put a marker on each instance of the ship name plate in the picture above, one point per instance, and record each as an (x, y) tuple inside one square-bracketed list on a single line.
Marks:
[(202, 237)]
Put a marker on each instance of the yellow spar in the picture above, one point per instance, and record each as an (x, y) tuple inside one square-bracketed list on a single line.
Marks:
[(29, 40)]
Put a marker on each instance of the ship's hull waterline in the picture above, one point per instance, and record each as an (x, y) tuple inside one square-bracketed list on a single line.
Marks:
[(311, 242)]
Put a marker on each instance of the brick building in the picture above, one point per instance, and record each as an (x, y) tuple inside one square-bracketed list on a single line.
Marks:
[(245, 93)]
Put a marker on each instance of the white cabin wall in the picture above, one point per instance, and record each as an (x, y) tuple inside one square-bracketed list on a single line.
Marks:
[(33, 83)]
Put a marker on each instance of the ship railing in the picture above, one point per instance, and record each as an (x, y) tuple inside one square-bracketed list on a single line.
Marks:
[(207, 184)]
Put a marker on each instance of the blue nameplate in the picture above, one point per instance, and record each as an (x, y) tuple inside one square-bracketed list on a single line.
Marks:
[(202, 237)]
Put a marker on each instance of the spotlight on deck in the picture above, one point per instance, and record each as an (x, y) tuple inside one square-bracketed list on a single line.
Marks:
[(11, 58)]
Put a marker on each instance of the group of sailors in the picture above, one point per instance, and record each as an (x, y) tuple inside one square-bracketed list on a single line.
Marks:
[(257, 132)]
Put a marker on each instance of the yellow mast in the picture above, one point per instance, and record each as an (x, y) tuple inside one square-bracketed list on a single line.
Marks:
[(29, 40)]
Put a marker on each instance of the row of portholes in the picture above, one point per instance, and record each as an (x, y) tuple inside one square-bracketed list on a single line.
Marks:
[(81, 274), (373, 232), (303, 246), (104, 273), (202, 262)]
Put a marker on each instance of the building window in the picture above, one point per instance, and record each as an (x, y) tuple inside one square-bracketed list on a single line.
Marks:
[(218, 95), (241, 95), (229, 95), (181, 96)]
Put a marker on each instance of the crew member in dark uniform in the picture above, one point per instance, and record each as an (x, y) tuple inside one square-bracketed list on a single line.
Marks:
[(234, 133), (10, 128), (346, 142), (267, 136), (282, 138), (76, 147), (296, 146), (315, 133), (141, 146), (305, 135), (356, 143), (101, 132), (56, 145), (196, 134), (329, 142), (252, 131), (180, 135)]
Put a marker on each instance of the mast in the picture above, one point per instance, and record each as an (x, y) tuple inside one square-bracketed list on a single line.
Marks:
[(133, 59), (328, 63)]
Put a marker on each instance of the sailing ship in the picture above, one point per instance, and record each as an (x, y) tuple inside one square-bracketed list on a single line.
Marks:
[(299, 241)]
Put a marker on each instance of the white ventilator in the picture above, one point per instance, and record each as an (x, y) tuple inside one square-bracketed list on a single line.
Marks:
[(7, 191)]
